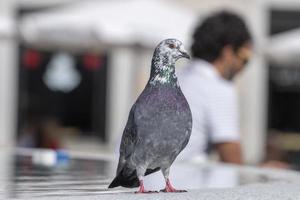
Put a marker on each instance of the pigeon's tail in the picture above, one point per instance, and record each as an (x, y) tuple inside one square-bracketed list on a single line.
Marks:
[(125, 179), (129, 180)]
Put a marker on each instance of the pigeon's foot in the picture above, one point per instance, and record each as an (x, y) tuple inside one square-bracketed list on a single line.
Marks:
[(143, 191), (170, 188)]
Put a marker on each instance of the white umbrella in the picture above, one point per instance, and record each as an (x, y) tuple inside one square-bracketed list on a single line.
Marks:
[(118, 22), (284, 48)]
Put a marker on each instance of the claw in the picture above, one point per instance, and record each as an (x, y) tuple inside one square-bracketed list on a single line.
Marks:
[(172, 190)]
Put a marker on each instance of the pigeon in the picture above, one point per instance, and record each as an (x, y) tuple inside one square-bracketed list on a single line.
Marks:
[(159, 123)]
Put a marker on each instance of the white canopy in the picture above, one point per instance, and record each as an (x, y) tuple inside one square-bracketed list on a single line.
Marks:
[(94, 23), (284, 48)]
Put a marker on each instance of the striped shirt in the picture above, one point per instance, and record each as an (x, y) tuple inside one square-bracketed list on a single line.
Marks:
[(214, 106)]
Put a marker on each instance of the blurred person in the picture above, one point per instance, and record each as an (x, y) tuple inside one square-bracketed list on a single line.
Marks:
[(28, 134), (40, 132), (221, 47), (48, 134)]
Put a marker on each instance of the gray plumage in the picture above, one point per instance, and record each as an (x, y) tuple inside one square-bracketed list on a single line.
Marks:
[(159, 123)]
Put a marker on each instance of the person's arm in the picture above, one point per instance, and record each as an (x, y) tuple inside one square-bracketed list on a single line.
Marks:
[(229, 152), (224, 125)]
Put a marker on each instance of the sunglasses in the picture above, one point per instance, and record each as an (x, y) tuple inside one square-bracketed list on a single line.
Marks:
[(244, 55)]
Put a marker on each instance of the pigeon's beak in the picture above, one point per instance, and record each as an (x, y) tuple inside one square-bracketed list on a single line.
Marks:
[(184, 54)]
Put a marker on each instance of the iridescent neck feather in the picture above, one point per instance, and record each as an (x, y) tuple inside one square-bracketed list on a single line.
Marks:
[(163, 69)]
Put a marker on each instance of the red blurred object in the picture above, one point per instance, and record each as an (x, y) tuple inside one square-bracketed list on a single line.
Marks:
[(92, 62), (31, 59)]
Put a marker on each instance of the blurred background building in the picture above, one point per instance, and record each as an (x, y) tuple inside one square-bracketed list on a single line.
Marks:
[(70, 70)]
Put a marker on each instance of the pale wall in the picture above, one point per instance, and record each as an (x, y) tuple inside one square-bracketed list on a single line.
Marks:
[(8, 82)]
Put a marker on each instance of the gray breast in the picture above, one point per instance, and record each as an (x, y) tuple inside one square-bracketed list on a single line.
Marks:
[(164, 123)]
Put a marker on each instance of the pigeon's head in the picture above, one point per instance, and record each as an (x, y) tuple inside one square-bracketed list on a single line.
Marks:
[(170, 50), (165, 55)]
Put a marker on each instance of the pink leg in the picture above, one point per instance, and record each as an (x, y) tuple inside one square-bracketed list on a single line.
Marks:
[(170, 188), (142, 189)]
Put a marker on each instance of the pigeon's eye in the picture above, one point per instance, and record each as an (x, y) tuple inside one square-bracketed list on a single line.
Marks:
[(171, 46)]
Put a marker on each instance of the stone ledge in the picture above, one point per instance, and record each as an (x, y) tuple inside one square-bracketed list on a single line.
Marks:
[(267, 191)]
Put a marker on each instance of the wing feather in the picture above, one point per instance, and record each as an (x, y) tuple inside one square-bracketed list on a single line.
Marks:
[(128, 141)]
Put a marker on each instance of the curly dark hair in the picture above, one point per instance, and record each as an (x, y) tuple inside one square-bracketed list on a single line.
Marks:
[(217, 31)]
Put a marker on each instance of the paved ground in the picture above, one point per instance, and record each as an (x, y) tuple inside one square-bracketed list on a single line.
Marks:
[(271, 191), (21, 178)]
